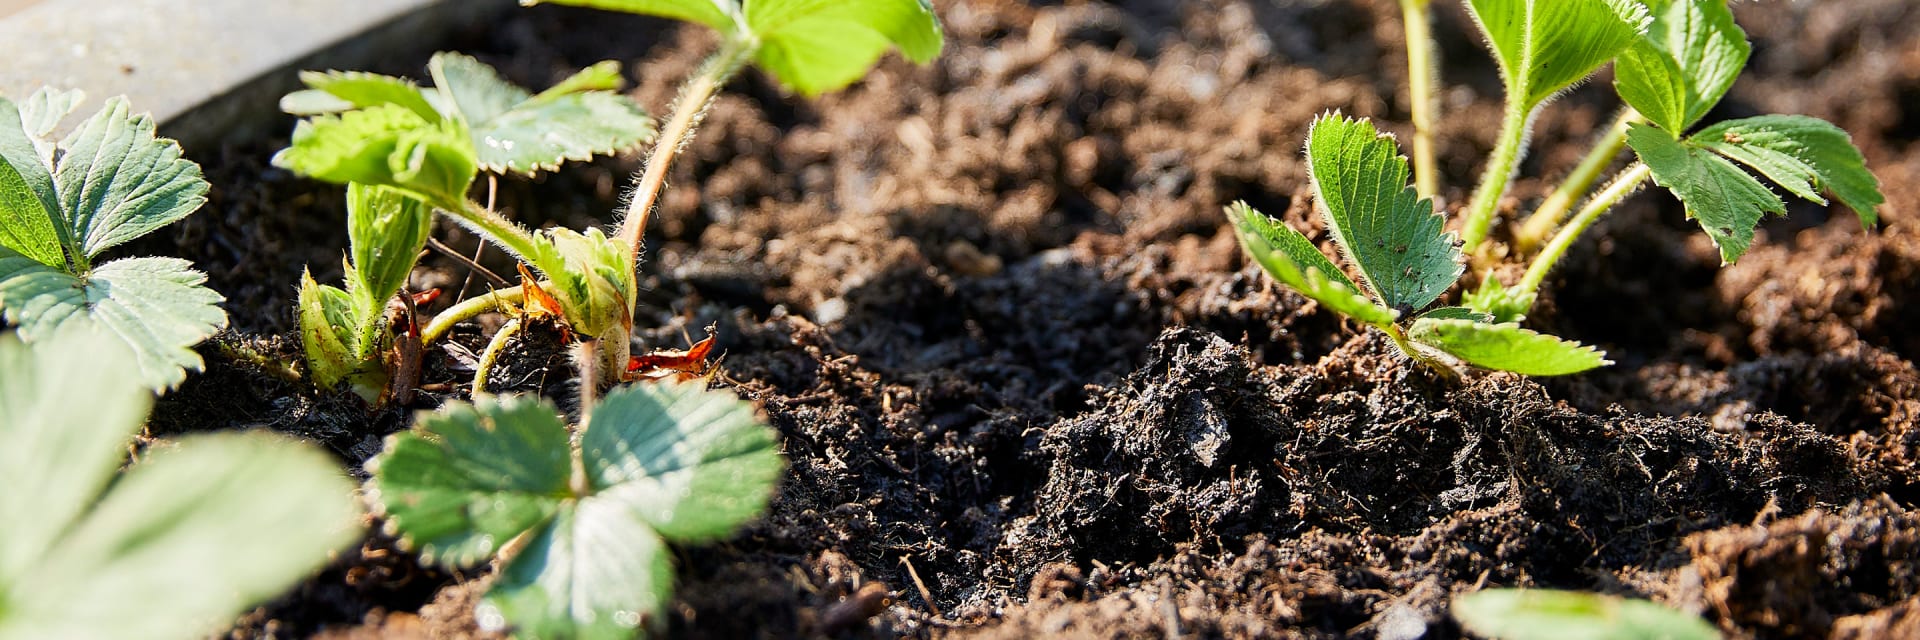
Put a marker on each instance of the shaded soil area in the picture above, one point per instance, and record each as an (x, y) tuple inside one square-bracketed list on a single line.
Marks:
[(1028, 384)]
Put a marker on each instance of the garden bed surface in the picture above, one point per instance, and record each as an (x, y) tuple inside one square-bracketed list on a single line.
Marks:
[(1013, 348)]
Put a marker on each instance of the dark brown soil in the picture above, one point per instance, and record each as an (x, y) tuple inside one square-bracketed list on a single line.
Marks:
[(1027, 382)]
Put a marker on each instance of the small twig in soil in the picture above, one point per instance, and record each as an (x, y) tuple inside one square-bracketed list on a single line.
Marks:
[(472, 264), (925, 595)]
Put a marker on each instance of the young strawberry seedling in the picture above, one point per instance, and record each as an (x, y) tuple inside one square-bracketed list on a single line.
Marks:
[(392, 141), (64, 202), (1675, 59), (1404, 256), (192, 534)]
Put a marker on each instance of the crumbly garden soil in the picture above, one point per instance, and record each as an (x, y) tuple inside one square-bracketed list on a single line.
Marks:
[(1027, 383)]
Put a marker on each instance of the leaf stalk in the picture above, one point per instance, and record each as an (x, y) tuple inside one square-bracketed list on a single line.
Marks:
[(1622, 186), (1554, 209), (1498, 174), (696, 97), (1421, 74)]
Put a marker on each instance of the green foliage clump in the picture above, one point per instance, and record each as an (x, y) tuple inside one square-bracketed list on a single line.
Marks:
[(64, 202)]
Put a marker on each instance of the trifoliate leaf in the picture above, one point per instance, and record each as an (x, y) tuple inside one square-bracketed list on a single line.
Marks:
[(156, 555), (1360, 182), (1687, 60), (1545, 46), (470, 478), (1542, 614), (721, 15), (1726, 201), (816, 46), (337, 91), (694, 464), (515, 131), (386, 145), (386, 230), (1506, 347), (1292, 259), (669, 462), (157, 306), (1802, 154)]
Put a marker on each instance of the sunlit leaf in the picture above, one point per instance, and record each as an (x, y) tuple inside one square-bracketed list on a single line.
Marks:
[(1545, 46), (1506, 347), (1726, 201), (1687, 60), (1804, 155), (1292, 259), (1360, 182), (1543, 614)]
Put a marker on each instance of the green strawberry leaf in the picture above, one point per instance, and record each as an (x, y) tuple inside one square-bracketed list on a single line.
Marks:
[(151, 555), (1458, 313), (470, 478), (811, 46), (658, 463), (157, 306), (1803, 155), (722, 15), (1685, 63), (117, 181), (693, 464), (514, 131), (1292, 259), (338, 91), (1545, 46), (816, 46), (1726, 201), (386, 145), (1360, 182), (29, 205), (1506, 347), (1542, 614)]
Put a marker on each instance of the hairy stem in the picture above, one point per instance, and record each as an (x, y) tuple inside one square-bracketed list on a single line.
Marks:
[(688, 110), (1485, 205), (586, 356), (517, 240), (492, 355), (1622, 186), (468, 309), (1554, 210), (1421, 72)]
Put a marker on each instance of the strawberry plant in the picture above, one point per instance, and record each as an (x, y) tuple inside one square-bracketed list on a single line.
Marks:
[(581, 520), (430, 143), (1543, 614), (392, 141), (65, 202), (190, 535), (1675, 59), (1404, 256)]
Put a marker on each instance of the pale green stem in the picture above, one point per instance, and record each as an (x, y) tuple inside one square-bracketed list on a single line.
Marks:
[(1421, 73), (586, 356), (1622, 186), (688, 111), (492, 355), (468, 309), (1554, 209), (517, 240), (1413, 351), (1485, 205)]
